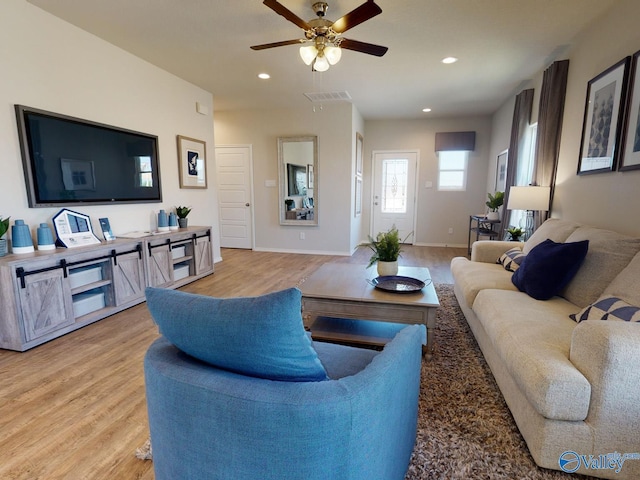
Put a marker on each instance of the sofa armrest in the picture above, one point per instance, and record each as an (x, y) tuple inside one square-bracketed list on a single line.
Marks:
[(607, 354), (488, 251)]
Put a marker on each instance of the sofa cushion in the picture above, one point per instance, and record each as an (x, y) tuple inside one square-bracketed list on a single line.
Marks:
[(609, 253), (511, 259), (554, 229), (257, 336), (471, 277), (608, 308), (548, 267), (627, 284), (533, 339)]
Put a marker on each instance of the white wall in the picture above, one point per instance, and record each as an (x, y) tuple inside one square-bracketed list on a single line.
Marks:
[(437, 211), (52, 65), (607, 200), (261, 128)]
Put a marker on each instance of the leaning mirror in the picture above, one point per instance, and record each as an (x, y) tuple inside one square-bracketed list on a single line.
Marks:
[(298, 167)]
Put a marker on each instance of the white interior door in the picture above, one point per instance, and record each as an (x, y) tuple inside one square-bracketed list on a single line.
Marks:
[(235, 195), (394, 187)]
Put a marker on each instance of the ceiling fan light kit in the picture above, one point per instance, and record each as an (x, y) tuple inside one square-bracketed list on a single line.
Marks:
[(323, 42)]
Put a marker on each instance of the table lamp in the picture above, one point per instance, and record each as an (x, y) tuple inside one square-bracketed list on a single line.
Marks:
[(531, 198)]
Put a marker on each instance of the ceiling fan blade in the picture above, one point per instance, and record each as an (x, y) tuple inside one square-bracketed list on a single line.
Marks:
[(277, 44), (362, 47), (355, 17), (286, 13)]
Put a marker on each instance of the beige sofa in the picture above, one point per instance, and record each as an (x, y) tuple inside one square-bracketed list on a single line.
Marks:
[(572, 387)]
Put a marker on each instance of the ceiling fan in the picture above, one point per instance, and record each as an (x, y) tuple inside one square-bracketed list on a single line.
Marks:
[(323, 40)]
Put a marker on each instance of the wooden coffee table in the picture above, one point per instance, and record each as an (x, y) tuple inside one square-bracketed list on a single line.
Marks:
[(341, 291)]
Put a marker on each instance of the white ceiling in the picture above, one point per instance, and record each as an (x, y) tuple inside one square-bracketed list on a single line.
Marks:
[(500, 44)]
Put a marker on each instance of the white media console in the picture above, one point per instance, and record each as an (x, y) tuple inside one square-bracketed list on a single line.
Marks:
[(46, 294)]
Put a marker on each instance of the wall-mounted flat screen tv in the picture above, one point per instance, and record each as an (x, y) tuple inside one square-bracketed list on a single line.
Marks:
[(69, 161)]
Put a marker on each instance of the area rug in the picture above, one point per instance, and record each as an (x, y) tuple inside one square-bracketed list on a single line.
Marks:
[(465, 429)]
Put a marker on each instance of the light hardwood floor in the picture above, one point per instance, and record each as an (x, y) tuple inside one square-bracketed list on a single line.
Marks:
[(74, 408)]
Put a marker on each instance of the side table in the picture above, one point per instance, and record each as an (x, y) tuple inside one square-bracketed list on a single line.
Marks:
[(483, 227)]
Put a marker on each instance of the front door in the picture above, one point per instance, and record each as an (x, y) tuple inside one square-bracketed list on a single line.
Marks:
[(234, 172), (394, 187)]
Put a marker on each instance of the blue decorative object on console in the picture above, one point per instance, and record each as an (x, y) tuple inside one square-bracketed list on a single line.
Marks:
[(163, 221), (21, 241), (173, 221), (45, 238)]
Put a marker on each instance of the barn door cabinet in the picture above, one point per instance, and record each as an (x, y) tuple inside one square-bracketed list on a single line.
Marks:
[(44, 295), (177, 258)]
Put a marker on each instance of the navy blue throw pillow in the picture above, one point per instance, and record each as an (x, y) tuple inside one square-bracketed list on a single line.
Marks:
[(548, 267)]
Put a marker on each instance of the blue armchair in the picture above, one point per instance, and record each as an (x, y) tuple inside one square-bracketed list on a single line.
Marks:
[(213, 423)]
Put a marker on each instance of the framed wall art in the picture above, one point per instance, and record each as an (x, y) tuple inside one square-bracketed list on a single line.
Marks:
[(603, 118), (501, 172), (630, 151), (359, 146), (358, 200), (192, 162)]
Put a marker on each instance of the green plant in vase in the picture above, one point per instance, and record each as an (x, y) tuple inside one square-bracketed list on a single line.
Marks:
[(386, 251), (494, 203), (515, 233), (182, 213), (4, 226)]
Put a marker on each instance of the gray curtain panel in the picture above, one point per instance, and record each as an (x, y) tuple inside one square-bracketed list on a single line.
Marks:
[(521, 119), (551, 110)]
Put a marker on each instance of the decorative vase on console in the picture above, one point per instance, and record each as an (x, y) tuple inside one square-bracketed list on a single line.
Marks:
[(4, 226), (163, 221), (21, 241), (173, 221)]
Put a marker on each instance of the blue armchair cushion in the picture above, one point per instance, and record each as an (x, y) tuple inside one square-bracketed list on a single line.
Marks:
[(548, 267), (261, 336)]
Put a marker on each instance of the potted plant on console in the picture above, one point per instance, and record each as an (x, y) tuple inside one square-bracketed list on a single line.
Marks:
[(4, 226), (494, 203), (182, 213), (386, 250)]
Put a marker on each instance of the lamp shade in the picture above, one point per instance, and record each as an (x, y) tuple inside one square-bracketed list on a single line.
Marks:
[(529, 198), (308, 53), (321, 64), (333, 54)]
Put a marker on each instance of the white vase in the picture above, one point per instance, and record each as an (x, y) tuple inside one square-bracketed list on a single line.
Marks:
[(493, 216), (387, 268)]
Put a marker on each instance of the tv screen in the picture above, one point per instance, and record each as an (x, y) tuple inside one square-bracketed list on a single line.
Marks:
[(69, 161)]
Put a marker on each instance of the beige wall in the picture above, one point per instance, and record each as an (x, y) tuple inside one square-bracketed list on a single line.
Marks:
[(436, 211), (610, 200), (52, 65), (334, 126), (607, 200)]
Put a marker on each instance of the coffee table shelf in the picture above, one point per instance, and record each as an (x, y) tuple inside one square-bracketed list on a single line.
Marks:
[(341, 291)]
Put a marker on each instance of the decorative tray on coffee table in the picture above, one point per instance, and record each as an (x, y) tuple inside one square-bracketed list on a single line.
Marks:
[(398, 284)]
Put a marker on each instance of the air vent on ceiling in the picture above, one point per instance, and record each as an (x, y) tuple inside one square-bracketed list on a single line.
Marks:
[(323, 97)]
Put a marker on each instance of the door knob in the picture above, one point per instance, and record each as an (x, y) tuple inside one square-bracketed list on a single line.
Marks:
[(247, 205)]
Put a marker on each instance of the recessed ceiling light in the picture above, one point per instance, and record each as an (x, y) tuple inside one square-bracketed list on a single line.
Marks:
[(264, 76), (449, 60), (426, 110)]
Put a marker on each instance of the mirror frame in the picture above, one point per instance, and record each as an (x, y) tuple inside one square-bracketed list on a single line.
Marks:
[(283, 184)]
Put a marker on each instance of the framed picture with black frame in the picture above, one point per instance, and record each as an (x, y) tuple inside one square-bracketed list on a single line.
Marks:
[(603, 119), (630, 150)]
